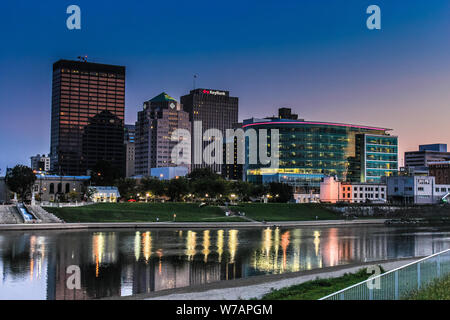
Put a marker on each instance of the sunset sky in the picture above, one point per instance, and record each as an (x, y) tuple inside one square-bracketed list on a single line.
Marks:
[(317, 57)]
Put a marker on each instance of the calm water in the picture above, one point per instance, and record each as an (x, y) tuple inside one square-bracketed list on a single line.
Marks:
[(113, 263)]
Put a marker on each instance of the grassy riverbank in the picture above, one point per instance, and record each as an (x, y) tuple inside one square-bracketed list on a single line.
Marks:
[(437, 290), (190, 212), (286, 212), (316, 289)]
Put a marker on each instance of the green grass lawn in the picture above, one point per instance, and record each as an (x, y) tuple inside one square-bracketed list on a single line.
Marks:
[(316, 289), (142, 212), (437, 290), (285, 212), (190, 212)]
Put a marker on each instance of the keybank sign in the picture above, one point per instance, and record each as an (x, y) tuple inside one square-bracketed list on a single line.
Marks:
[(214, 93)]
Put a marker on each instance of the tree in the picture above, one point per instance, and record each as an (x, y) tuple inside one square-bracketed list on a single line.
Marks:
[(203, 173), (259, 190), (280, 192), (241, 189), (73, 196), (20, 180), (177, 189), (152, 185), (127, 188)]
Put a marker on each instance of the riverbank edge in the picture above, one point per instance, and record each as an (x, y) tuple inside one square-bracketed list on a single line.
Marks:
[(258, 286), (188, 225)]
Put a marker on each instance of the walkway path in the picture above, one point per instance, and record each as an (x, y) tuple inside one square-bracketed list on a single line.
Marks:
[(256, 287), (189, 225)]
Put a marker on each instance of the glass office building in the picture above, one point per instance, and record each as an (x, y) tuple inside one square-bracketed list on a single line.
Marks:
[(88, 105), (309, 151)]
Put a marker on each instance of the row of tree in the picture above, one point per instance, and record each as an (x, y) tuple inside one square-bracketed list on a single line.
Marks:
[(202, 184)]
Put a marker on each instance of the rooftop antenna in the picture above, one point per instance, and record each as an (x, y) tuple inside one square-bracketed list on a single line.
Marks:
[(195, 79), (83, 59)]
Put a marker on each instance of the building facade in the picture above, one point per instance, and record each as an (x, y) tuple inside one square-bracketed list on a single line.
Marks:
[(214, 109), (425, 155), (332, 191), (160, 117), (130, 149), (234, 169), (57, 188), (416, 190), (169, 173), (104, 194), (441, 171), (88, 105), (310, 151), (40, 163)]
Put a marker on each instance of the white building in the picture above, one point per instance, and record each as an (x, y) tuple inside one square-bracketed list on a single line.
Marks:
[(416, 189), (105, 194), (40, 163), (306, 197), (332, 191)]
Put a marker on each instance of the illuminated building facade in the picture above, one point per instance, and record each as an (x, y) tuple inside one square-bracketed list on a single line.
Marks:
[(130, 149), (215, 109), (160, 117), (88, 104), (234, 170), (310, 150)]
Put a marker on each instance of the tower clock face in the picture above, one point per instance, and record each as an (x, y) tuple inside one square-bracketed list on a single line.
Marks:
[(172, 105)]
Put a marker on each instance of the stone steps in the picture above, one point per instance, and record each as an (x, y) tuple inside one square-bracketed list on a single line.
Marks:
[(9, 215)]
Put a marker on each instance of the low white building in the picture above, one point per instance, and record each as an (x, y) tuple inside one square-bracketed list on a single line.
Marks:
[(417, 190), (104, 194), (332, 191), (306, 197)]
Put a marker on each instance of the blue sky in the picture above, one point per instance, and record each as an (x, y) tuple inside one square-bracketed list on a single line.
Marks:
[(317, 57)]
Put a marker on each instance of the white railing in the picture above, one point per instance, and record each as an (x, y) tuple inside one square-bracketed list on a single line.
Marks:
[(63, 204), (398, 283)]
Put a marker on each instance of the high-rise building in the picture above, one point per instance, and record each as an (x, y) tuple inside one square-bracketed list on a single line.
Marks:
[(160, 117), (130, 132), (130, 149), (312, 150), (40, 162), (232, 170), (88, 105), (214, 109)]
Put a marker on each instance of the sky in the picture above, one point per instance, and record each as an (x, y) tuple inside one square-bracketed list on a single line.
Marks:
[(317, 57)]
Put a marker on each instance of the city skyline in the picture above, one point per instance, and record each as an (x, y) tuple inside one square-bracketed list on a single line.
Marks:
[(324, 64)]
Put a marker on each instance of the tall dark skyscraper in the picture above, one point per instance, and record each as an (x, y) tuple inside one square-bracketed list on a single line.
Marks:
[(216, 110), (88, 105)]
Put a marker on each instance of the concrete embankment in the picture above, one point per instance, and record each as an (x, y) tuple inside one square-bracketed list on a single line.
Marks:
[(258, 286), (187, 225), (10, 216)]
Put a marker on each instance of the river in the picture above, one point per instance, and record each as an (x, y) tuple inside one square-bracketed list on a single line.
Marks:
[(33, 264)]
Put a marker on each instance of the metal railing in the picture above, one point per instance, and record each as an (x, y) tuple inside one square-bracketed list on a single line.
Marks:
[(398, 283)]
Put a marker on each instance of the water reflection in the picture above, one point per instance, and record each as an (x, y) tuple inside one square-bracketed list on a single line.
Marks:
[(33, 264)]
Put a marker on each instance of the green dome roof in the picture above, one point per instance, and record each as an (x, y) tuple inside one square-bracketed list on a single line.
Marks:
[(162, 98)]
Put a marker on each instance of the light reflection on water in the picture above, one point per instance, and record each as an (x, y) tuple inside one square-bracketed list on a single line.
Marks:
[(113, 263)]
